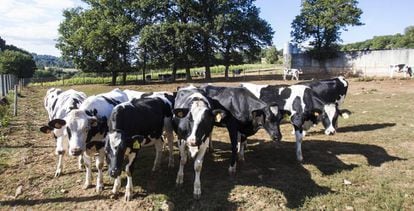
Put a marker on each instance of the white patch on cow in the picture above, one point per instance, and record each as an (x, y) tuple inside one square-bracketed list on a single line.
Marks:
[(342, 79), (189, 87), (114, 140), (330, 110), (274, 110), (253, 88), (129, 188), (197, 111), (133, 94), (297, 91)]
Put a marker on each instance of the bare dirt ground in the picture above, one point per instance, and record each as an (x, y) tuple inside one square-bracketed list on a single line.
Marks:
[(368, 164)]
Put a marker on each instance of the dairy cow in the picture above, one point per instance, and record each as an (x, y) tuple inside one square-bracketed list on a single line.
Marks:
[(132, 125), (245, 114), (58, 104), (332, 92), (193, 122), (298, 101), (87, 130)]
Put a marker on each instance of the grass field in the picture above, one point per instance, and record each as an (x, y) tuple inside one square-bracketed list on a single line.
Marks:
[(367, 165)]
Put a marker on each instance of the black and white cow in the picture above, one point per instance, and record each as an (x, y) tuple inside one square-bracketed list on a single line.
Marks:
[(87, 128), (132, 125), (168, 132), (292, 72), (58, 104), (193, 123), (298, 101), (401, 68), (332, 92), (245, 114)]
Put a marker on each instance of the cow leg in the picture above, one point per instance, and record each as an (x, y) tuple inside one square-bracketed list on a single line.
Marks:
[(59, 166), (170, 139), (210, 146), (297, 121), (198, 164), (234, 142), (99, 165), (158, 154), (128, 169), (183, 160), (241, 146), (117, 184), (87, 162), (80, 162)]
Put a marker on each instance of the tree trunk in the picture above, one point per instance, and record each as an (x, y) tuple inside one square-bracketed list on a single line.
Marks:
[(144, 66), (188, 73), (174, 72), (124, 76), (114, 75), (207, 58), (226, 63), (226, 71)]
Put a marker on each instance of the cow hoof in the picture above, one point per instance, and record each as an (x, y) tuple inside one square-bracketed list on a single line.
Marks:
[(99, 188), (86, 186), (197, 196), (58, 173), (127, 197)]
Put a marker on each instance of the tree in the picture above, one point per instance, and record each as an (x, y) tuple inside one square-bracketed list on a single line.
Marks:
[(240, 30), (99, 38), (272, 55), (321, 21), (2, 44), (17, 63)]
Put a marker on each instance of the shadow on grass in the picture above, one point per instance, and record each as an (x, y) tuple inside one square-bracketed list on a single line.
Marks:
[(365, 127), (266, 166), (31, 202)]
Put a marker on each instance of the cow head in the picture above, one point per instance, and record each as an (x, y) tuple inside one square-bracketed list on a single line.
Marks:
[(195, 123), (118, 147), (59, 135), (80, 128), (269, 118)]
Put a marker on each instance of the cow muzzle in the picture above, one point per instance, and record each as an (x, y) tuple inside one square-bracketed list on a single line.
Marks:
[(115, 172), (330, 131), (76, 151)]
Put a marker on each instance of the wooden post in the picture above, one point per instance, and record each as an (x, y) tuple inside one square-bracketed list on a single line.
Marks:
[(15, 100), (3, 92)]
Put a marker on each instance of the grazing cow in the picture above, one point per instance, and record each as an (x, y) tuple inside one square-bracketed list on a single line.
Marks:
[(58, 104), (292, 72), (401, 68), (168, 132), (298, 101), (132, 125), (87, 128), (193, 122), (245, 115), (332, 92)]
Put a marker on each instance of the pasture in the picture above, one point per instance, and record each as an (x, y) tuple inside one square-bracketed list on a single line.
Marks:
[(368, 164)]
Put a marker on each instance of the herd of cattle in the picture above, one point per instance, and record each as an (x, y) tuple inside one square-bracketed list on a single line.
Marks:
[(113, 126)]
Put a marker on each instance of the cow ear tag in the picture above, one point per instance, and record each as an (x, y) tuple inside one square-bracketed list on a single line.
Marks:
[(136, 145), (218, 117)]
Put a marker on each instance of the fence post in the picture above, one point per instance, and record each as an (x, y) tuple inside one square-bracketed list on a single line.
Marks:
[(6, 84), (3, 92), (15, 100)]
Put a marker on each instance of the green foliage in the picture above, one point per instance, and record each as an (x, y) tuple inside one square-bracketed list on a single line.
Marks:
[(17, 63), (43, 61), (321, 21), (384, 42), (272, 55)]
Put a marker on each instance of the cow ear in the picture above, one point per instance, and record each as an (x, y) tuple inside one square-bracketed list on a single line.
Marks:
[(218, 115), (180, 112), (345, 113), (57, 123), (93, 122), (46, 129)]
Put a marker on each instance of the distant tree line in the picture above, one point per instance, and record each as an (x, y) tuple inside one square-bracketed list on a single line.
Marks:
[(43, 61), (396, 41), (121, 36), (16, 61)]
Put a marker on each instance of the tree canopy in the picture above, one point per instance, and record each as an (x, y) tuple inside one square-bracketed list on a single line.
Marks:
[(396, 41), (17, 63), (321, 22), (116, 36)]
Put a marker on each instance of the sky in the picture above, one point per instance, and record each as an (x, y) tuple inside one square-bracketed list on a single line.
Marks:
[(32, 24)]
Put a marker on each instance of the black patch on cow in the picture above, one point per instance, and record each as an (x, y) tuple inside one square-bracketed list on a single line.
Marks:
[(54, 104), (111, 101), (101, 128), (93, 112), (98, 144), (146, 94), (68, 131), (75, 104)]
